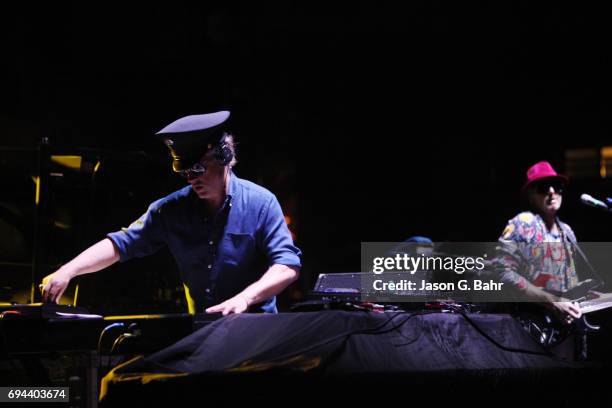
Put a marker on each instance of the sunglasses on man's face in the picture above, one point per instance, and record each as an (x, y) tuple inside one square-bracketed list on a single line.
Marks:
[(544, 187), (194, 171)]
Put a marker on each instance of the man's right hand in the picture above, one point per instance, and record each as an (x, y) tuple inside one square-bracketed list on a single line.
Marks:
[(568, 310), (54, 285), (94, 258), (565, 309)]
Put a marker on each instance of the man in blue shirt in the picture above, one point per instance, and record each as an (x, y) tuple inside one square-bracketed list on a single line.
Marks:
[(228, 236)]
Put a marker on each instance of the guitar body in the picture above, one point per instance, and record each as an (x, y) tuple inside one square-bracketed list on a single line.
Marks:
[(549, 330), (543, 326)]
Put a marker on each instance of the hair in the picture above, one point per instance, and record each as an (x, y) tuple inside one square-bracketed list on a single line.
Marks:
[(527, 197)]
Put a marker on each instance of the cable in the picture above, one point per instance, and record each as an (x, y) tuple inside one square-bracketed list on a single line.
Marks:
[(594, 273), (118, 342), (348, 334), (336, 354), (481, 332), (495, 342), (132, 331), (115, 346), (103, 332)]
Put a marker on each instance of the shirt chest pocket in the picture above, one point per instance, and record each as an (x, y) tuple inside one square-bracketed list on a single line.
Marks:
[(238, 250)]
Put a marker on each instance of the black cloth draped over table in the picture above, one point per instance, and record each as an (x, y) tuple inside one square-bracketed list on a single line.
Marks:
[(259, 350)]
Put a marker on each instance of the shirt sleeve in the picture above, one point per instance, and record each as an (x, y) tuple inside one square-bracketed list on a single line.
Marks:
[(143, 237), (509, 258), (276, 238)]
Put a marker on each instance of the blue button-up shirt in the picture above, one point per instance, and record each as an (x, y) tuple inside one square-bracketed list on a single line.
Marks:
[(218, 256)]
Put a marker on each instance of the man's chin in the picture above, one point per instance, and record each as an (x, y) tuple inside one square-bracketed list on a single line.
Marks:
[(200, 192), (551, 210)]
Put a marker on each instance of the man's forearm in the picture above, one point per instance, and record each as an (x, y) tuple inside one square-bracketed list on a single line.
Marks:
[(96, 257), (276, 278), (509, 275), (536, 293)]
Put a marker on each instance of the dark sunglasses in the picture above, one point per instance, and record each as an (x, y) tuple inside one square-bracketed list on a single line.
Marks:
[(543, 187), (194, 171)]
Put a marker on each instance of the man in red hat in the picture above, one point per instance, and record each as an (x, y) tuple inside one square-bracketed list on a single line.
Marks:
[(538, 250), (228, 236)]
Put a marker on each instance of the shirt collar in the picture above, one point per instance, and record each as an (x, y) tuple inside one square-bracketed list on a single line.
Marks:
[(232, 192), (233, 185), (557, 221)]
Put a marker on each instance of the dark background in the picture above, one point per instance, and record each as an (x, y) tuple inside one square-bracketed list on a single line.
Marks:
[(370, 121)]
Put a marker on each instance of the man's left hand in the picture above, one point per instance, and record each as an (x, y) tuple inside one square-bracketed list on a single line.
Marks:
[(237, 304)]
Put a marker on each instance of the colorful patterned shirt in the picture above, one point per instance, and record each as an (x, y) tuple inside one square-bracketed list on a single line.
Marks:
[(529, 252)]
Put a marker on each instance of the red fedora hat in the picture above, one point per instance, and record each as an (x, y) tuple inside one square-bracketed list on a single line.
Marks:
[(542, 170)]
